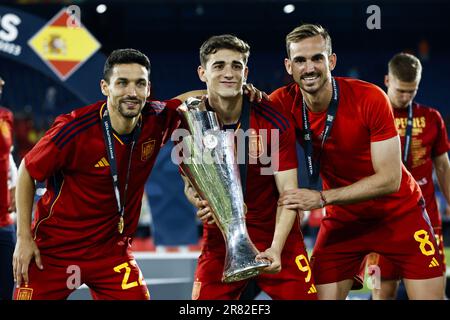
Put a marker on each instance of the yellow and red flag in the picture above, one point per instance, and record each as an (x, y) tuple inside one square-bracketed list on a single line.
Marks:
[(63, 45)]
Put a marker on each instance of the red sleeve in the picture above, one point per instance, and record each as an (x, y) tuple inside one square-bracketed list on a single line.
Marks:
[(173, 104), (46, 157), (173, 118), (283, 99), (4, 198), (284, 152), (379, 116), (6, 133), (287, 150), (441, 144), (276, 98), (5, 148)]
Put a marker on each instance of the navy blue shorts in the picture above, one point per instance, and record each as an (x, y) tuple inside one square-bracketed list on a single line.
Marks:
[(7, 244)]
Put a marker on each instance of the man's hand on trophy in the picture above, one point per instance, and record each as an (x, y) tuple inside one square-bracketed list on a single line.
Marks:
[(204, 213), (274, 257), (255, 95)]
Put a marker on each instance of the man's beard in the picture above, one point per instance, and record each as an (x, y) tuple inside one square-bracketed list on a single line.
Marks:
[(312, 90), (130, 114)]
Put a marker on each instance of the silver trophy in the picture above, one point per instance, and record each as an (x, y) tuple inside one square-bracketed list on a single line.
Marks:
[(209, 162)]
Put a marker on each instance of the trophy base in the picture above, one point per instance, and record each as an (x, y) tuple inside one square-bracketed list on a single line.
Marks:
[(245, 272)]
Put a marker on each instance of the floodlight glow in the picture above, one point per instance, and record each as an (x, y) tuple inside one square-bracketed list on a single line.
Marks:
[(289, 8), (101, 8)]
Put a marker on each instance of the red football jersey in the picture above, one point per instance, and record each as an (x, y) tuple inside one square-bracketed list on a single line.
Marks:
[(6, 131), (261, 191), (429, 140), (364, 115), (78, 215)]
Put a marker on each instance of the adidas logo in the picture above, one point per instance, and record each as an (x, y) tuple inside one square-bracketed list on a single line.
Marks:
[(433, 263), (312, 289), (102, 163)]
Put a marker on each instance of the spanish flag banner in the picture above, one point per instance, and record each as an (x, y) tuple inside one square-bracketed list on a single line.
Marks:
[(64, 44)]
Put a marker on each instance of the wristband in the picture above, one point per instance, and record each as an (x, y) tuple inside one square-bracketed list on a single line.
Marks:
[(323, 201)]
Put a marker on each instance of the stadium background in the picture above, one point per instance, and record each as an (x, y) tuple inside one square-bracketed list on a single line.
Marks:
[(170, 33)]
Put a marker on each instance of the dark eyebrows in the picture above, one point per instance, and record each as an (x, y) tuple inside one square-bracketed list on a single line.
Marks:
[(221, 62), (405, 90), (128, 80), (317, 56), (298, 58)]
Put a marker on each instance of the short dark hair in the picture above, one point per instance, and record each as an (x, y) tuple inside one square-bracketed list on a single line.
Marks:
[(125, 56), (308, 31), (224, 41), (405, 67)]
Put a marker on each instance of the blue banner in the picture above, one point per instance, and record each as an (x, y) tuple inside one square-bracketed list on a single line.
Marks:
[(16, 30)]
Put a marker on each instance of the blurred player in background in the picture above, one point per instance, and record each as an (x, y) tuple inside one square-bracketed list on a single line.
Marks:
[(424, 146), (7, 228)]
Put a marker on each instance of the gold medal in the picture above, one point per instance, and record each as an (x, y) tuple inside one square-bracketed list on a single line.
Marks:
[(120, 225)]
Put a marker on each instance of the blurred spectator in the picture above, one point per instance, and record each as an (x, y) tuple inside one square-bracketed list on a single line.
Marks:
[(7, 228), (49, 104), (424, 50), (26, 134)]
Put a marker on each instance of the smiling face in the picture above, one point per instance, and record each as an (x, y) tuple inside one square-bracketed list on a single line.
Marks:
[(127, 89), (310, 64), (224, 73)]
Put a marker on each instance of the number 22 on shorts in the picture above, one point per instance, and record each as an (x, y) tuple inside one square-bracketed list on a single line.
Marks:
[(125, 284)]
